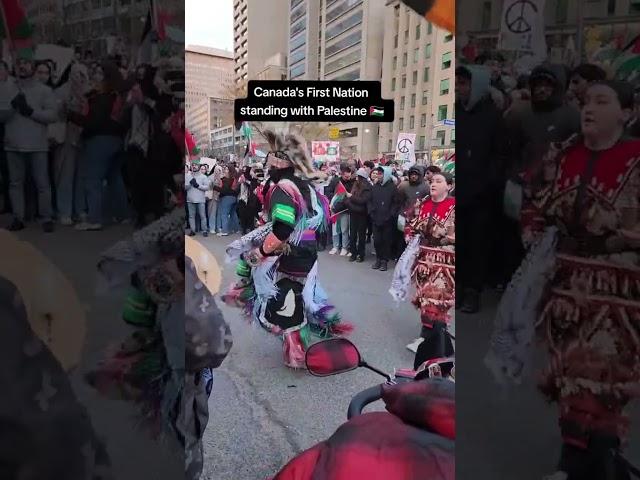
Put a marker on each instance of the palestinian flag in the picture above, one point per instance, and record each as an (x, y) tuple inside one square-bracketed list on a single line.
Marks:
[(339, 195), (15, 27), (376, 111), (439, 12)]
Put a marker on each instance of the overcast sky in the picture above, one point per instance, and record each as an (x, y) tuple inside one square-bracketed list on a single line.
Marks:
[(209, 23)]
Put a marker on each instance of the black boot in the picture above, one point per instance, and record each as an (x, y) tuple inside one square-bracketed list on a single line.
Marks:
[(352, 258), (383, 266), (471, 301), (376, 265), (16, 226)]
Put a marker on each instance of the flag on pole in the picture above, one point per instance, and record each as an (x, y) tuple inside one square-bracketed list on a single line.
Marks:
[(145, 49), (439, 12), (15, 26), (339, 195)]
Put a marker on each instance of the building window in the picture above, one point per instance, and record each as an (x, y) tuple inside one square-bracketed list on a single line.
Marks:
[(390, 127), (444, 86), (429, 28), (453, 136), (395, 41), (440, 137), (412, 121), (562, 7), (406, 36), (402, 103), (486, 15), (448, 38), (342, 62), (395, 62), (423, 120), (425, 75), (342, 8), (404, 81), (393, 84), (611, 7), (446, 61), (442, 113), (421, 142), (413, 99), (418, 32), (346, 42), (297, 71), (344, 25), (425, 96), (404, 59), (416, 54), (389, 145), (401, 124)]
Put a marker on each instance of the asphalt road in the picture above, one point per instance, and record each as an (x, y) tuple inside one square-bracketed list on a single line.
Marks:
[(261, 413)]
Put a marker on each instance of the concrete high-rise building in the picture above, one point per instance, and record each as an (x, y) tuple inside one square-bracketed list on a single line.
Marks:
[(208, 115), (304, 40), (260, 34), (208, 75), (339, 40), (418, 72)]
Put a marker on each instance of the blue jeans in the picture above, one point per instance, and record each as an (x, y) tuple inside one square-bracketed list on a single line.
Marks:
[(200, 208), (102, 160), (17, 162), (340, 231), (64, 176), (227, 209), (212, 208)]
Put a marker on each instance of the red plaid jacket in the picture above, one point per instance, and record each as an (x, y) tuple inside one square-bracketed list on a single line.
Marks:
[(414, 441)]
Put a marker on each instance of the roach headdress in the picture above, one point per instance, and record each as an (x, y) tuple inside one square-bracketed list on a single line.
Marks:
[(291, 149)]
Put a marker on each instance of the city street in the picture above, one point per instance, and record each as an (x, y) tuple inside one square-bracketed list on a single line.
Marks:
[(261, 413)]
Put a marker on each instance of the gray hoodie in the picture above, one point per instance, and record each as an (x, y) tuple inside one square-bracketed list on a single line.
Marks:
[(27, 134)]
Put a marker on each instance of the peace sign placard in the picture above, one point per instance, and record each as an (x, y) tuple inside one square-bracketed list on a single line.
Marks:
[(522, 26)]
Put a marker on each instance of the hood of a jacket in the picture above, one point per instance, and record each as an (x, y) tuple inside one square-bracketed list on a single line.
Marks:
[(418, 171), (556, 74), (480, 83), (387, 173)]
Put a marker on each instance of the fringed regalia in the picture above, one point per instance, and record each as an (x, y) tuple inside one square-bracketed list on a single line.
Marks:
[(283, 293)]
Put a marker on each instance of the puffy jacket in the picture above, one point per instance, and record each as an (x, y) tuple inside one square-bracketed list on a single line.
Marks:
[(384, 204), (414, 441), (360, 196)]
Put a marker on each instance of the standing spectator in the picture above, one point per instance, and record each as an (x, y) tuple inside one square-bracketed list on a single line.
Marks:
[(413, 189), (196, 184), (248, 203), (383, 209), (340, 228), (356, 202), (431, 170), (72, 98), (26, 108), (215, 179), (579, 80), (5, 81), (228, 200), (478, 163), (103, 140)]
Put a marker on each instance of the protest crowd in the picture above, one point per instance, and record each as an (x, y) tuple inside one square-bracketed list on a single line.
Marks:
[(90, 144)]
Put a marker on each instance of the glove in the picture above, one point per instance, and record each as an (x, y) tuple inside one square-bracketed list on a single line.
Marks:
[(194, 183), (19, 102)]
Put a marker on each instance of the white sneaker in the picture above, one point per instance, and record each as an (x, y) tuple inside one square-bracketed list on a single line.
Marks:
[(212, 232), (66, 221), (333, 251), (413, 346), (222, 234), (87, 227), (344, 252)]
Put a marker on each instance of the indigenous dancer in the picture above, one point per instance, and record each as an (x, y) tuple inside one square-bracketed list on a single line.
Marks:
[(586, 194), (278, 261), (429, 262)]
